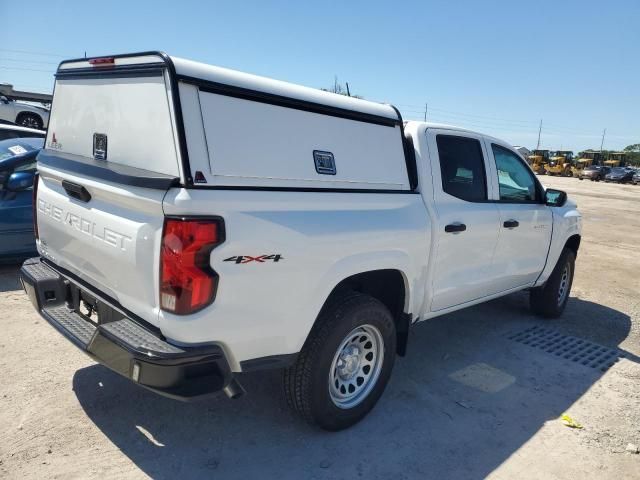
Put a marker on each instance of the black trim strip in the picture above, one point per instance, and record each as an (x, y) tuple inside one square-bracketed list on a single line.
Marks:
[(111, 172), (303, 189), (288, 102), (126, 71), (177, 108), (409, 153), (270, 362)]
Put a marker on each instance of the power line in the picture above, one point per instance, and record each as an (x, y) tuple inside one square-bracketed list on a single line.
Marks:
[(419, 109), (26, 61), (2, 67), (28, 52)]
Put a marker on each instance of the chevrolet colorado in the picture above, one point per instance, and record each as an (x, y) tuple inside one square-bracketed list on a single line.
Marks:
[(195, 222)]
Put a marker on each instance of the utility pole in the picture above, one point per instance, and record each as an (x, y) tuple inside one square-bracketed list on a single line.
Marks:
[(426, 109), (602, 142), (348, 92), (539, 132)]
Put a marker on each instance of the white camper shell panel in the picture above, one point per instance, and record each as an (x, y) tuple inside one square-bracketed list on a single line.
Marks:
[(134, 112), (253, 143), (239, 130)]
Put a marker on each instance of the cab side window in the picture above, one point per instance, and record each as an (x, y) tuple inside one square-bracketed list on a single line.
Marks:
[(462, 167), (516, 181)]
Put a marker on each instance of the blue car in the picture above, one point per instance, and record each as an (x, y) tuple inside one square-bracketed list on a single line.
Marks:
[(17, 172)]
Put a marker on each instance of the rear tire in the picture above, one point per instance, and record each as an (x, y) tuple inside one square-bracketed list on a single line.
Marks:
[(345, 363), (550, 300), (29, 120)]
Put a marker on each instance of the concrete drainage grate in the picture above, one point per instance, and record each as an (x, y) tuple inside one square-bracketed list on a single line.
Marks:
[(571, 348)]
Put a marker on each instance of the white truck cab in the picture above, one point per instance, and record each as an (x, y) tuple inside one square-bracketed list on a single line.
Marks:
[(194, 222)]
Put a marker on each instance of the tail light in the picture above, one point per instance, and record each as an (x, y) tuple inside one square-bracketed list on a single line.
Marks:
[(34, 205), (187, 281)]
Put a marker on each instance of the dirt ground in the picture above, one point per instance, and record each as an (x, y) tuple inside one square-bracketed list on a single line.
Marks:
[(468, 401)]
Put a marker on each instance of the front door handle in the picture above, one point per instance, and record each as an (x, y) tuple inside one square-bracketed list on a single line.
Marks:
[(455, 228), (511, 224)]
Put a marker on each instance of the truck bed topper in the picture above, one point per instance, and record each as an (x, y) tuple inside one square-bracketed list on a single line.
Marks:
[(198, 86)]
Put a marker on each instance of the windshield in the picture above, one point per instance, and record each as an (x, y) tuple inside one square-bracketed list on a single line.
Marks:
[(593, 167), (618, 171), (14, 147)]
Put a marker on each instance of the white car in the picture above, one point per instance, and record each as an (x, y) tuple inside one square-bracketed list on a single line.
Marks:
[(257, 224), (24, 114)]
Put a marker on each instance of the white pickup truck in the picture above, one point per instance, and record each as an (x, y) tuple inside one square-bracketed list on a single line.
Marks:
[(195, 222)]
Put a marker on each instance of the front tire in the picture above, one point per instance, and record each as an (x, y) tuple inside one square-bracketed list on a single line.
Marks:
[(345, 363), (550, 300)]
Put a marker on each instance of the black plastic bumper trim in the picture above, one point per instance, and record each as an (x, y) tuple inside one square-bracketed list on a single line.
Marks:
[(270, 362), (124, 345)]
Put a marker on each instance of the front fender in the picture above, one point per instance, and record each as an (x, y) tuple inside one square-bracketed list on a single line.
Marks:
[(567, 222)]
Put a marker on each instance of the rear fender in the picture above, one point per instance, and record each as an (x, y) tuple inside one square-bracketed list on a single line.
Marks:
[(354, 265)]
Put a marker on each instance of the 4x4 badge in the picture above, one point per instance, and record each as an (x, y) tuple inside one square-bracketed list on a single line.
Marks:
[(249, 258)]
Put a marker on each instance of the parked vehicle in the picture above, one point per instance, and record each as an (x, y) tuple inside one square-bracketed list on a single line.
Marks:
[(595, 173), (578, 167), (23, 114), (280, 227), (589, 157), (616, 159), (619, 175), (538, 159), (14, 131), (636, 178), (560, 163), (17, 170)]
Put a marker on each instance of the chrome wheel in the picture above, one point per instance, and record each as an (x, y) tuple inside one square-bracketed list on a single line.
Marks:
[(563, 289), (356, 366)]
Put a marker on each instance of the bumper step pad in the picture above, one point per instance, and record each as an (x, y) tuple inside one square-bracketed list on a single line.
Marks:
[(125, 345)]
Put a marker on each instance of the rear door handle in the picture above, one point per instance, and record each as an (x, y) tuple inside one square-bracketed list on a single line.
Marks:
[(76, 191), (511, 224), (455, 228)]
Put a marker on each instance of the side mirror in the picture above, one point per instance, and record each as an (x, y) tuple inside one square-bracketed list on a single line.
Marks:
[(555, 198), (19, 181)]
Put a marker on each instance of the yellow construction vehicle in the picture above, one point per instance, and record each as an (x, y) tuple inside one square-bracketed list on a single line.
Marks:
[(616, 159), (538, 159), (586, 160), (560, 163)]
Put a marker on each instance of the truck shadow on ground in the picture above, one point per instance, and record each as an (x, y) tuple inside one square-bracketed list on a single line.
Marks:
[(9, 277), (433, 421)]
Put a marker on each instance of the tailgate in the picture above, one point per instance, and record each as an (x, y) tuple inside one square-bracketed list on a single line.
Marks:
[(109, 158)]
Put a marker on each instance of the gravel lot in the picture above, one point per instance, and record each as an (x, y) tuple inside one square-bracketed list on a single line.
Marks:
[(468, 401)]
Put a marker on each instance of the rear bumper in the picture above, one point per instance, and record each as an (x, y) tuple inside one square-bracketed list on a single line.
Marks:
[(124, 345)]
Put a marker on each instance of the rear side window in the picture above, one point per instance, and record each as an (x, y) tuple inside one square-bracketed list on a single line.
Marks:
[(462, 167)]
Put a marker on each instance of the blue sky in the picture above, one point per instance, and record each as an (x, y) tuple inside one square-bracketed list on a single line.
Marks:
[(493, 66)]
